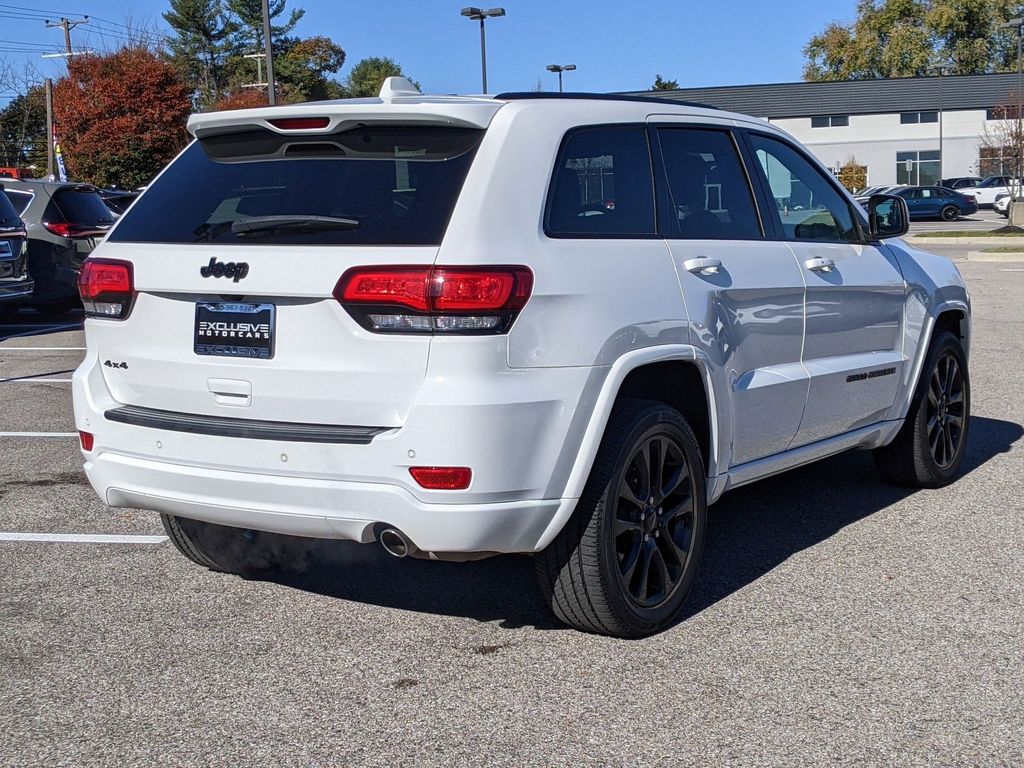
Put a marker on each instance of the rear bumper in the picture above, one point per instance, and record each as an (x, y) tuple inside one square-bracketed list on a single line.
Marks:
[(514, 434), (16, 290), (316, 508)]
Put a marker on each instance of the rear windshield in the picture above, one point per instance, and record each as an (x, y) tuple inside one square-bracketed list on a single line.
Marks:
[(7, 213), (78, 206), (370, 185)]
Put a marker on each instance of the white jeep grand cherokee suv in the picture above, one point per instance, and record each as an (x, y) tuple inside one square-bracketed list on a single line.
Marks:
[(558, 325)]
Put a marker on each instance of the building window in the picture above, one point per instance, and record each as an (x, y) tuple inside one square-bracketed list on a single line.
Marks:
[(830, 121), (1001, 113), (997, 161), (917, 168), (919, 117)]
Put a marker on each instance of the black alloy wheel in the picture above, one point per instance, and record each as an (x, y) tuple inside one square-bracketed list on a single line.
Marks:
[(654, 525), (945, 411), (929, 449), (626, 560)]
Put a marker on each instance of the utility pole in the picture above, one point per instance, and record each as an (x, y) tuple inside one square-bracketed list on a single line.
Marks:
[(49, 128), (271, 88), (67, 25)]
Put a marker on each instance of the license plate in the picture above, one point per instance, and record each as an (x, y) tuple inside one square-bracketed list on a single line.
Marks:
[(235, 330)]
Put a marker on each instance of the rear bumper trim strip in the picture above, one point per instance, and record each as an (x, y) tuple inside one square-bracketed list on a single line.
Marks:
[(253, 429)]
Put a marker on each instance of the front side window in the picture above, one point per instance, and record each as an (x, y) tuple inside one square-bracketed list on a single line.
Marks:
[(709, 192), (603, 185), (369, 185), (807, 206)]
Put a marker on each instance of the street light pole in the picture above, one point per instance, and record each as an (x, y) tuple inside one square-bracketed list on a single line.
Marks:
[(560, 68), (940, 69), (1018, 24), (481, 14)]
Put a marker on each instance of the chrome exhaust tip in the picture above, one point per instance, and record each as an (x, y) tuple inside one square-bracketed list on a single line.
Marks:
[(395, 543)]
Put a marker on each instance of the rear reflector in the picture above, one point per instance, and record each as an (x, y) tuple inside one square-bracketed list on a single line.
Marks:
[(106, 287), (300, 123), (435, 299), (442, 478), (87, 440)]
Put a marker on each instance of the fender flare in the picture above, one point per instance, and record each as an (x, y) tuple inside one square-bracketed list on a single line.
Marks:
[(602, 411), (903, 404)]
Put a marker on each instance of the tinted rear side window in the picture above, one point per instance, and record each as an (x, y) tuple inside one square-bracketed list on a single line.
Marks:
[(603, 186), (78, 206), (382, 185), (19, 200), (709, 191), (7, 212)]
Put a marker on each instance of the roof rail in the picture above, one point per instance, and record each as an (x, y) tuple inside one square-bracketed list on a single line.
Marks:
[(524, 95)]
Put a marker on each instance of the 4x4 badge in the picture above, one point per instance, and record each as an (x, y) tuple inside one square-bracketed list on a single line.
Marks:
[(220, 269)]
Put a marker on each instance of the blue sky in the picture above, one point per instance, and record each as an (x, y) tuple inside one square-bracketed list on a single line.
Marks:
[(616, 45)]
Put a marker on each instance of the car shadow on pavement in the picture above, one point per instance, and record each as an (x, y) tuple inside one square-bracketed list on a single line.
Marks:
[(751, 530)]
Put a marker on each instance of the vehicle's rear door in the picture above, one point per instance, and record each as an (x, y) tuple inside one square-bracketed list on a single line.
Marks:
[(743, 291), (236, 250), (855, 294)]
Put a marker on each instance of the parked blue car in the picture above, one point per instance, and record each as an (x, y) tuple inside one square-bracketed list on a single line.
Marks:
[(937, 203)]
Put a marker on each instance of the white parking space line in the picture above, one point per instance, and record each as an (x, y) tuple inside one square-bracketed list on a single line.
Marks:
[(42, 349), (38, 434), (83, 538), (35, 381)]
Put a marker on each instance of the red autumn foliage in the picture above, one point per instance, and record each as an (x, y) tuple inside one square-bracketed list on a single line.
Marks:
[(243, 98), (120, 117)]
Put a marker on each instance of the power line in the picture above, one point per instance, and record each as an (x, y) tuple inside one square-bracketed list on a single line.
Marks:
[(67, 25)]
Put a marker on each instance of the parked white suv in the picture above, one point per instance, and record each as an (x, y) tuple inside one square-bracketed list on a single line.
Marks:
[(559, 325)]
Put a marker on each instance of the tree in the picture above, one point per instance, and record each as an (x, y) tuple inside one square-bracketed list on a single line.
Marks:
[(664, 85), (120, 117), (853, 175), (201, 44), (1000, 146), (23, 130), (369, 74), (248, 14), (306, 66), (903, 38)]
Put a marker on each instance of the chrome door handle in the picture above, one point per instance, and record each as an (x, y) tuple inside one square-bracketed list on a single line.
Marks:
[(702, 266), (820, 265)]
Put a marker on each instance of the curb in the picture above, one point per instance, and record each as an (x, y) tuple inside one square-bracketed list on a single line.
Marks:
[(1004, 257), (1005, 240)]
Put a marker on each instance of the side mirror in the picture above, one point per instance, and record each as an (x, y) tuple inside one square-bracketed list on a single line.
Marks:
[(887, 216)]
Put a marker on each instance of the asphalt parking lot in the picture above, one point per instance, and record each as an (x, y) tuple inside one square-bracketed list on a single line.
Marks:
[(836, 620)]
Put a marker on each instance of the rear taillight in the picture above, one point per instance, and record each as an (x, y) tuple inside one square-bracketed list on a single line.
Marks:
[(429, 299), (107, 288), (72, 230), (442, 478), (87, 439)]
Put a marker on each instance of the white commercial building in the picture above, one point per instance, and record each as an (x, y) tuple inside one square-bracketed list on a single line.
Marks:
[(890, 126)]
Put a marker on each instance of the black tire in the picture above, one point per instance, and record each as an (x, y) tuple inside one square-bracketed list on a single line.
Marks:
[(929, 448), (234, 550), (9, 311), (949, 213), (581, 572)]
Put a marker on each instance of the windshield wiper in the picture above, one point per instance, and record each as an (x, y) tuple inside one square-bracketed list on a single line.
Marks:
[(258, 224)]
